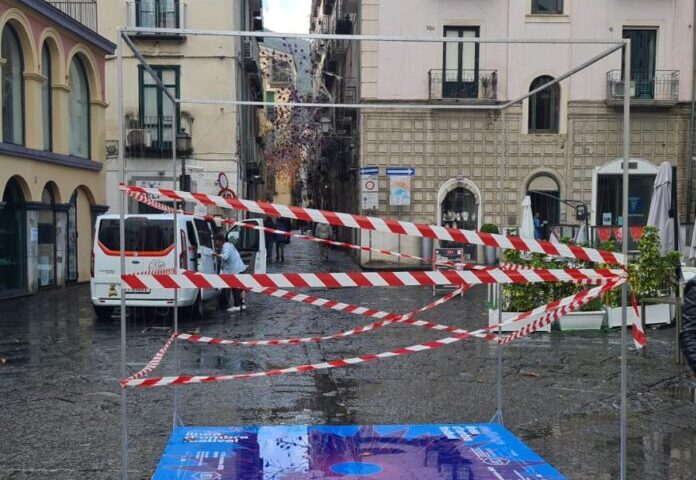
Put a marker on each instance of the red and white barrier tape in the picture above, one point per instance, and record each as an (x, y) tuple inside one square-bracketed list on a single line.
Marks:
[(389, 226), (566, 305), (386, 318), (368, 279), (156, 360), (147, 200)]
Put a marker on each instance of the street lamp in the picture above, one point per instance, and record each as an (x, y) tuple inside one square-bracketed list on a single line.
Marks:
[(325, 124), (183, 150)]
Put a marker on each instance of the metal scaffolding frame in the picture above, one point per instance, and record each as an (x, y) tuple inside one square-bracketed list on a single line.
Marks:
[(613, 46)]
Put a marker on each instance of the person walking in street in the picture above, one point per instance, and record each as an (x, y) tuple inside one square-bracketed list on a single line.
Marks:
[(230, 262), (269, 237), (323, 231), (282, 240)]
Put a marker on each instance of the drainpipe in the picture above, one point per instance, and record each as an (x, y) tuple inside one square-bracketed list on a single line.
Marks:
[(690, 158)]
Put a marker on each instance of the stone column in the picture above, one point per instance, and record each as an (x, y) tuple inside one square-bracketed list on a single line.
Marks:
[(32, 261), (61, 243)]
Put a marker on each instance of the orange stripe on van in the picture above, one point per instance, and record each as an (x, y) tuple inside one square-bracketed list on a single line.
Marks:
[(129, 253)]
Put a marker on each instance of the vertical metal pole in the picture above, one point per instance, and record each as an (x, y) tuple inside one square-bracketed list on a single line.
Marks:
[(624, 250), (175, 314), (122, 235), (498, 416)]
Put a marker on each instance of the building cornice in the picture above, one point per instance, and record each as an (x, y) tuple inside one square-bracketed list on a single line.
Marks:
[(49, 157), (68, 23)]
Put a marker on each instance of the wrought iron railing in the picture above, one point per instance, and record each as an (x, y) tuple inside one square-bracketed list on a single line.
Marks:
[(84, 11), (463, 84), (658, 86), (150, 136), (157, 14)]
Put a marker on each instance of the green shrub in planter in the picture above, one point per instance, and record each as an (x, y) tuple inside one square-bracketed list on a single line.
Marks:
[(654, 275), (489, 228)]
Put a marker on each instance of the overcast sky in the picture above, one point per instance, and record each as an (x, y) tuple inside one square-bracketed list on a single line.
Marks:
[(286, 15)]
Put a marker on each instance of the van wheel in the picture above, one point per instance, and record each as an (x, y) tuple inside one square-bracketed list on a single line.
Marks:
[(103, 313)]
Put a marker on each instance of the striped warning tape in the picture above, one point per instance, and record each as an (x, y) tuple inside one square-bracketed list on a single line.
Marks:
[(368, 279), (572, 303), (389, 226), (147, 200)]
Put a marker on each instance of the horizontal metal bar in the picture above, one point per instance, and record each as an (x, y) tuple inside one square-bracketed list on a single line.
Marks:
[(366, 38), (357, 106)]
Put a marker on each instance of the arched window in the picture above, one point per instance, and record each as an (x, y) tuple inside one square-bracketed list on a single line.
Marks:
[(12, 87), (544, 107), (46, 99), (79, 110)]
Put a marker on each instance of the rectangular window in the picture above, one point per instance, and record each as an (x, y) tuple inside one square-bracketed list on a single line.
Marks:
[(142, 234), (643, 58), (157, 13), (547, 7), (156, 109), (270, 97), (460, 65)]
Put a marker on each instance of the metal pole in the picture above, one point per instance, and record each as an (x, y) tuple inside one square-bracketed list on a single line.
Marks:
[(624, 249), (692, 119), (175, 314), (122, 253)]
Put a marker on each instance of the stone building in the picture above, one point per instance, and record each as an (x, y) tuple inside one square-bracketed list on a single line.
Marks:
[(564, 143), (52, 147)]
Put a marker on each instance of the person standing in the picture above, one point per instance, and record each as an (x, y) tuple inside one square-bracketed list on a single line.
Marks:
[(323, 231), (230, 263), (537, 227), (269, 237), (687, 335), (280, 239)]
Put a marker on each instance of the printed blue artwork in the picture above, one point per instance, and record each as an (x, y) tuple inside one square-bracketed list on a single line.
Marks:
[(379, 452)]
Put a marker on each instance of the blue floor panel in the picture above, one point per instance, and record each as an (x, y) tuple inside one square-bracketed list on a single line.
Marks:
[(371, 452)]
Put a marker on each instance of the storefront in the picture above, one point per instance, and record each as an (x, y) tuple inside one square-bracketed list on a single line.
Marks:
[(459, 206)]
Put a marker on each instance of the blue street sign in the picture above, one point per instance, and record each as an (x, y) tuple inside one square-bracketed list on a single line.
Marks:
[(403, 171), (369, 171)]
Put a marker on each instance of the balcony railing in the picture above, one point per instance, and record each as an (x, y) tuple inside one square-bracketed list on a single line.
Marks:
[(454, 85), (157, 14), (84, 11), (661, 88), (151, 137)]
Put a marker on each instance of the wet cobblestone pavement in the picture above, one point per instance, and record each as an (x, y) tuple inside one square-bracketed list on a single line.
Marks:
[(60, 410)]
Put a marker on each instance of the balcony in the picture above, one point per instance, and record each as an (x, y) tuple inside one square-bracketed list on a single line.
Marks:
[(150, 137), (477, 86), (157, 14), (250, 54), (84, 11), (658, 90)]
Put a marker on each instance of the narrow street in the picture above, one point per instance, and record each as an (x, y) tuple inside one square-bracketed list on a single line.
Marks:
[(61, 401)]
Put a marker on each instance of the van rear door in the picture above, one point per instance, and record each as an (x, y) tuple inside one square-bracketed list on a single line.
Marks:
[(149, 248), (250, 243), (206, 261)]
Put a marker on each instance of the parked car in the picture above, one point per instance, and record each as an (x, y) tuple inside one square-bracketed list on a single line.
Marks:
[(150, 248)]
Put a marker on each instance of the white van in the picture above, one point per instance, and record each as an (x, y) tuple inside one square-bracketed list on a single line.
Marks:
[(150, 249)]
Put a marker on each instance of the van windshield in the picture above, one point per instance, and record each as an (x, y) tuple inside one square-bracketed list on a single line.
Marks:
[(142, 234)]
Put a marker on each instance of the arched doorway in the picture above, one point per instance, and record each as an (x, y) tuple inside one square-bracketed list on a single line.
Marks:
[(545, 193), (13, 270), (459, 206)]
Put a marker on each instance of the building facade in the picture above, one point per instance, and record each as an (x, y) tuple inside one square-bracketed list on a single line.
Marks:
[(564, 143), (52, 148), (224, 153)]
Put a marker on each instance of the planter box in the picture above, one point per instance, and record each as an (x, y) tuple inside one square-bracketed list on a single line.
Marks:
[(582, 321), (654, 315), (513, 327), (614, 316)]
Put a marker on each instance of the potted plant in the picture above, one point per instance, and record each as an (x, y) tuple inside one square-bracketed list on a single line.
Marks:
[(654, 276), (490, 254), (521, 297), (485, 81)]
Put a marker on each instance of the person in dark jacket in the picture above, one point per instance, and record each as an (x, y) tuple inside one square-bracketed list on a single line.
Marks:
[(280, 239), (269, 237), (688, 327)]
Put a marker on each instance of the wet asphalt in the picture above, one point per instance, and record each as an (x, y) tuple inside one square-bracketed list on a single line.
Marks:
[(60, 401)]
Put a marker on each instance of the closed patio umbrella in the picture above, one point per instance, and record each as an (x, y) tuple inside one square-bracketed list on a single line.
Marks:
[(660, 206), (527, 219)]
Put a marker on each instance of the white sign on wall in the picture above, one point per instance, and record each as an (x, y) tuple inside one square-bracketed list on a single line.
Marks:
[(369, 188)]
